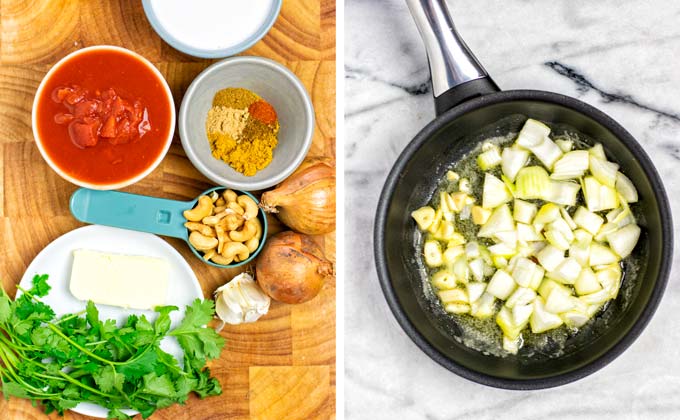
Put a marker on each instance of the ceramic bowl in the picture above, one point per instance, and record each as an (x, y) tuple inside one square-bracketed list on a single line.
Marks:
[(151, 164), (173, 36), (275, 84)]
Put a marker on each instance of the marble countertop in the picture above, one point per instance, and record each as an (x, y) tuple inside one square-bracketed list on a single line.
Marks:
[(622, 57)]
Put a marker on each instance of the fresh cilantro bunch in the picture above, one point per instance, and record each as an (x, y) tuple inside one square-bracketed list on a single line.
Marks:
[(60, 362)]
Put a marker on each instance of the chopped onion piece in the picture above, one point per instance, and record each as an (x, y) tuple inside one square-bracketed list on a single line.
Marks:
[(567, 218), (550, 257), (587, 283), (564, 145), (532, 133), (512, 161), (547, 152), (472, 250), (483, 307), (501, 285), (623, 241), (557, 239), (597, 151), (548, 213), (505, 320), (452, 253), (475, 290), (563, 192), (559, 301), (601, 255), (489, 159), (589, 221), (522, 313), (610, 279), (625, 187), (542, 320), (570, 166), (606, 229), (461, 270), (567, 272), (595, 298), (494, 193), (599, 197), (510, 345), (521, 296), (580, 252), (502, 250), (499, 221), (563, 227), (477, 268), (532, 182), (604, 171), (523, 211), (527, 233), (509, 238), (524, 270)]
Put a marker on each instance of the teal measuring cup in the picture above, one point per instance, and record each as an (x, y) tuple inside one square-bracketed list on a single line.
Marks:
[(147, 214)]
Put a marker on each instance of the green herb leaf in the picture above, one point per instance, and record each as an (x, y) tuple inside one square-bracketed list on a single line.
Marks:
[(40, 287)]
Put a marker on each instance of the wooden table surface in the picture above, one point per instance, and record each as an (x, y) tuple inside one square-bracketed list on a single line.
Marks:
[(283, 366)]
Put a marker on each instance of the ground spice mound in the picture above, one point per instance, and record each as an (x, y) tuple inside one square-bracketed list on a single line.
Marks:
[(242, 129)]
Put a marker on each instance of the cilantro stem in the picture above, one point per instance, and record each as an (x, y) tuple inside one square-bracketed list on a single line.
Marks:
[(82, 385), (67, 318)]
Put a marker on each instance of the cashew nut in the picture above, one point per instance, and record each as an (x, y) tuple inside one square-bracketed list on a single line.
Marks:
[(248, 231), (222, 236), (214, 196), (221, 202), (209, 254), (218, 259), (233, 221), (252, 244), (230, 196), (214, 219), (199, 227), (202, 242), (219, 209), (235, 249), (249, 205), (236, 208), (258, 225), (203, 209)]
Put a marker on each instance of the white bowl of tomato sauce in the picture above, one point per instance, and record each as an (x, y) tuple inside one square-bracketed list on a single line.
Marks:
[(103, 117)]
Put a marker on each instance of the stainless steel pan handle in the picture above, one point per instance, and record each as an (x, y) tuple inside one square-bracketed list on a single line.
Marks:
[(457, 75)]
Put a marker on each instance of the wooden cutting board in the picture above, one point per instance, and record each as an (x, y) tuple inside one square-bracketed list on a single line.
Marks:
[(283, 366)]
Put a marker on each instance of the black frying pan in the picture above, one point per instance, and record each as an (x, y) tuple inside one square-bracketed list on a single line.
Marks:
[(471, 108)]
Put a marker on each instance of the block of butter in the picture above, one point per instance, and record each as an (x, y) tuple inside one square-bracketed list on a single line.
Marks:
[(128, 281)]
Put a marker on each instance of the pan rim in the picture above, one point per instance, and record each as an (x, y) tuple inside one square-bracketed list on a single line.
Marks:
[(616, 349)]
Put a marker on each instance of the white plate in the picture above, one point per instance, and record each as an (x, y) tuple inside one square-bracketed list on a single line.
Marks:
[(57, 258)]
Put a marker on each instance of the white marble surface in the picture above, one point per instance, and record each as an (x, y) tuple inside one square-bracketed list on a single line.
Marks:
[(628, 53)]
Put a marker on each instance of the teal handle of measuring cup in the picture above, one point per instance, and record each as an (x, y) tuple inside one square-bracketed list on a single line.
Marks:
[(131, 211)]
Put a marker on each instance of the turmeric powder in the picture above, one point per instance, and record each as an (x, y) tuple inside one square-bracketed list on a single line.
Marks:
[(242, 129)]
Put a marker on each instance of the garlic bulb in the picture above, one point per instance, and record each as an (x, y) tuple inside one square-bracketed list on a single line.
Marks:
[(241, 300)]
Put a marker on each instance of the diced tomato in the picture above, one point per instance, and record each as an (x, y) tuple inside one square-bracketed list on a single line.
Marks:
[(108, 130), (63, 118), (83, 134), (100, 115)]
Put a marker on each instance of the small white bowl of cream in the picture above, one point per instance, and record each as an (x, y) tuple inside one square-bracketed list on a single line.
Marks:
[(212, 28)]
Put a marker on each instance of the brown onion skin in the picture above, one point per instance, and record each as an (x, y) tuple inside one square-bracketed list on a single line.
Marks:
[(305, 202), (292, 268)]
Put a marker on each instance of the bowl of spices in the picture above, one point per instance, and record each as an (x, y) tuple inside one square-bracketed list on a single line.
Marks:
[(246, 123)]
